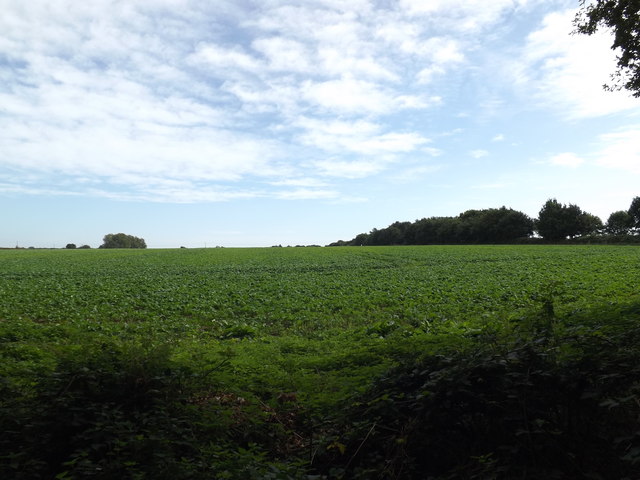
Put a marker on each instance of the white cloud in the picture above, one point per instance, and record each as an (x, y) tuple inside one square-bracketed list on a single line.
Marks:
[(391, 142), (479, 153), (195, 153), (466, 16), (284, 54), (498, 138), (299, 182), (566, 72), (416, 173), (567, 159), (307, 194), (218, 57), (402, 35), (175, 100), (335, 61), (442, 51), (431, 151), (349, 169), (360, 137), (620, 150), (350, 95), (428, 74), (148, 189)]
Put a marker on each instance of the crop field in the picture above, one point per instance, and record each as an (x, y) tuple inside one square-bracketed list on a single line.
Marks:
[(306, 291), (274, 342)]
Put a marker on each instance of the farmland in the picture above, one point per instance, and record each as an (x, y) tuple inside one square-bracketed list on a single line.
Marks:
[(303, 290), (276, 341)]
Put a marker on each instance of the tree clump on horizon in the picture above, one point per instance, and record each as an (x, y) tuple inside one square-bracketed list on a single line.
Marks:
[(558, 222), (122, 240), (555, 222), (493, 225)]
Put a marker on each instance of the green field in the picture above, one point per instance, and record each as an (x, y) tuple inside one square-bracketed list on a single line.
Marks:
[(305, 291), (252, 353)]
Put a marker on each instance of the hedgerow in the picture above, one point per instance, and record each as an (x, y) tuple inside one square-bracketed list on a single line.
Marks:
[(556, 405)]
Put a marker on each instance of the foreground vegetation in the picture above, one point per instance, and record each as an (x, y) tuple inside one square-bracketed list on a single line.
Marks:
[(373, 362)]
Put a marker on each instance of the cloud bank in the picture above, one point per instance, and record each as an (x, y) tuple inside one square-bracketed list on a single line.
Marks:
[(185, 101)]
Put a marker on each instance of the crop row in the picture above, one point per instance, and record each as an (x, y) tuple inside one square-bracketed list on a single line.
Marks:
[(307, 290)]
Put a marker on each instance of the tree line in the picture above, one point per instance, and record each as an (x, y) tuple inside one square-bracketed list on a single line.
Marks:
[(555, 222)]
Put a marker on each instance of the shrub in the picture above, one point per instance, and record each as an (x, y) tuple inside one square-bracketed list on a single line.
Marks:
[(107, 411), (539, 408)]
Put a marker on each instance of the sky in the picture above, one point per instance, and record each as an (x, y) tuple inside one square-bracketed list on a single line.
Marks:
[(255, 123)]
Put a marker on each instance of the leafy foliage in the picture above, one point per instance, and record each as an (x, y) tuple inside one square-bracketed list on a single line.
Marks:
[(619, 223), (105, 411), (549, 405), (122, 240), (557, 221), (634, 212), (492, 225), (623, 18), (120, 410)]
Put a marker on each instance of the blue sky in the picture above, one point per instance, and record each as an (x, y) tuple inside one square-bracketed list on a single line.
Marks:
[(254, 123)]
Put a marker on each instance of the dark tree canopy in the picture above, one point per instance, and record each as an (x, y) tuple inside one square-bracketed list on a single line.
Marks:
[(493, 225), (121, 240), (634, 212), (623, 18), (619, 223), (590, 224), (557, 221)]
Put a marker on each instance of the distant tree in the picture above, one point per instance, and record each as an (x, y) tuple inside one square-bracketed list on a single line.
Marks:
[(590, 224), (434, 230), (557, 221), (70, 246), (634, 212), (421, 231), (361, 239), (394, 234), (121, 240), (549, 223), (84, 246), (512, 224), (619, 223), (493, 225), (446, 229), (622, 17), (339, 243)]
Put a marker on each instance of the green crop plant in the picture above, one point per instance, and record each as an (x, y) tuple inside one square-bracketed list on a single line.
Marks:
[(317, 362)]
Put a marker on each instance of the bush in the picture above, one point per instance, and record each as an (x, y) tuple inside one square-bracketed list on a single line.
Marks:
[(542, 407), (107, 411), (117, 410)]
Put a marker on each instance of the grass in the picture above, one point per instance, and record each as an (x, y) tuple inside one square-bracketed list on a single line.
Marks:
[(277, 363)]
